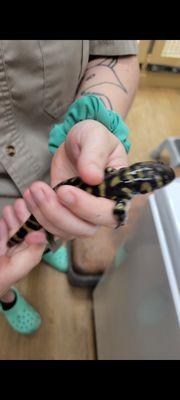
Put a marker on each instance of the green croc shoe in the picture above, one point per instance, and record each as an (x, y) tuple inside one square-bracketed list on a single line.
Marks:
[(22, 317), (58, 259)]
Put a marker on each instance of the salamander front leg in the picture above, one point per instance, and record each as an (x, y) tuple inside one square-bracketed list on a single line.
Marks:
[(109, 170), (120, 213), (121, 208)]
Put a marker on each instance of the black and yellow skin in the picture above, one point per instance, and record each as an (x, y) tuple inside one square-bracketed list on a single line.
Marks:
[(118, 185)]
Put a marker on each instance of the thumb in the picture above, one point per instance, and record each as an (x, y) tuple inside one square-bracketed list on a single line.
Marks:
[(95, 150)]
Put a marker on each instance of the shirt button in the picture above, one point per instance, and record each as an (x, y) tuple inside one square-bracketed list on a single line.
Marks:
[(10, 150)]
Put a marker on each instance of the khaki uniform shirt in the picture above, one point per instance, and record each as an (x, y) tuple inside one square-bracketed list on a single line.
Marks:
[(38, 81)]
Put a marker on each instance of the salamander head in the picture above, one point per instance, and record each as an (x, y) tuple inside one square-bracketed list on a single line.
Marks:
[(148, 174), (165, 171)]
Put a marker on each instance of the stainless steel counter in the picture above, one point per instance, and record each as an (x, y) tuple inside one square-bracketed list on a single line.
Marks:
[(137, 302)]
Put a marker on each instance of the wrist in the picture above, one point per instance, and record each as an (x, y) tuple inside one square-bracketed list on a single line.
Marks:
[(85, 108)]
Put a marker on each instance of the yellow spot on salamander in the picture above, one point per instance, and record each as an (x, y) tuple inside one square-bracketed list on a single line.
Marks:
[(159, 181), (127, 190), (120, 206), (140, 174), (102, 189), (115, 181), (35, 223), (15, 237), (27, 229), (89, 190), (110, 169), (127, 175), (146, 187)]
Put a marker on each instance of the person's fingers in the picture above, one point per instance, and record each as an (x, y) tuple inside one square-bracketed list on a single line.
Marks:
[(3, 237), (36, 237), (21, 259), (36, 208), (40, 237), (17, 262), (21, 211), (23, 214), (96, 210), (62, 167), (10, 219), (54, 217), (95, 151), (118, 158), (14, 217), (88, 145)]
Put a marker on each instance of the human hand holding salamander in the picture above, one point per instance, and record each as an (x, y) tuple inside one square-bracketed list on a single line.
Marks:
[(88, 149), (88, 143), (119, 185), (71, 212)]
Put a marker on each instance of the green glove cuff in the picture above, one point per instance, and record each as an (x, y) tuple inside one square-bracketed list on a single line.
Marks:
[(89, 107)]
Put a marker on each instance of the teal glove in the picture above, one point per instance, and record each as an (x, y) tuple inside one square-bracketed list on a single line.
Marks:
[(89, 107)]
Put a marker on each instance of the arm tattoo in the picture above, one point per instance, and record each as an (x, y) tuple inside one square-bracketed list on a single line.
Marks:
[(90, 77), (109, 63), (104, 98), (108, 83)]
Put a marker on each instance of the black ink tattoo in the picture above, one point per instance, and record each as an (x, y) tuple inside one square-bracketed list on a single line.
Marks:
[(110, 64), (106, 83), (90, 77), (101, 95)]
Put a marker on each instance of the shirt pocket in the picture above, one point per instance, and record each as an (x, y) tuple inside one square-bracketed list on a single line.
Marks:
[(64, 63)]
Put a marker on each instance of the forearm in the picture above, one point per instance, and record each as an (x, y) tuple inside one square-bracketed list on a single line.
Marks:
[(114, 79)]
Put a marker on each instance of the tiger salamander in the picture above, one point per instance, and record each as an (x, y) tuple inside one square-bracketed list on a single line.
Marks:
[(119, 185)]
